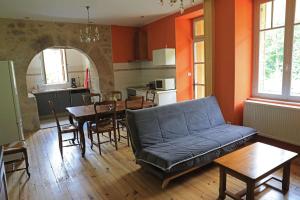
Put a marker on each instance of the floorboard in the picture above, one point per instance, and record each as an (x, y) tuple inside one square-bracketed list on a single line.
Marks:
[(114, 175)]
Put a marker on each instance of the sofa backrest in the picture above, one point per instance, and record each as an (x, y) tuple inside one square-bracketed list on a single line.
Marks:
[(165, 123)]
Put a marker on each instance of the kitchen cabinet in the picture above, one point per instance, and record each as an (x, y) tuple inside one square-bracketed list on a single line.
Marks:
[(3, 184), (60, 98), (164, 56), (42, 100), (76, 97)]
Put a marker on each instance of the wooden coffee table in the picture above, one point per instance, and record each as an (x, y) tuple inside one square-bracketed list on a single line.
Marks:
[(254, 164)]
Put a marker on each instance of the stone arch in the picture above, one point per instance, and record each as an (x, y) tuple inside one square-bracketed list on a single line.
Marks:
[(22, 40)]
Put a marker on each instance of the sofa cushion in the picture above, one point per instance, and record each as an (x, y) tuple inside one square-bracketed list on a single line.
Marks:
[(225, 134), (147, 126), (168, 154), (172, 125), (197, 120)]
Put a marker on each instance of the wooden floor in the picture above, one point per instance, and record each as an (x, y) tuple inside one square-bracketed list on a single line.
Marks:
[(114, 175)]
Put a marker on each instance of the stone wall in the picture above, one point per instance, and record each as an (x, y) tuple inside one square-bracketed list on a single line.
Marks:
[(21, 40)]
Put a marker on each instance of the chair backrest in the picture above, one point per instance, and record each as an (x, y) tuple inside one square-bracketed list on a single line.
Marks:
[(150, 95), (87, 98), (105, 111), (51, 105), (134, 102), (116, 95)]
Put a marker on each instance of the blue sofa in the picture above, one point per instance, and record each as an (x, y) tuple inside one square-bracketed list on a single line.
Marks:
[(174, 139)]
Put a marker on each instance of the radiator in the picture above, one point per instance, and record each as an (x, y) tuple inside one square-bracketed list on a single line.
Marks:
[(274, 121)]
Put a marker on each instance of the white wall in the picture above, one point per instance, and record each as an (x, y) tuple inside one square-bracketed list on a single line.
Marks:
[(76, 65), (139, 74)]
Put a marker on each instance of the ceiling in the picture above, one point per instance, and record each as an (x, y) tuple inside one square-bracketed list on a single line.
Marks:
[(116, 12)]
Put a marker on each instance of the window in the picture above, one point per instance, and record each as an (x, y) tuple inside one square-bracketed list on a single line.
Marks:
[(55, 70), (277, 49), (199, 61)]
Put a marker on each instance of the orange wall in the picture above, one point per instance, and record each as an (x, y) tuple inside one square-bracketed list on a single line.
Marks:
[(123, 43), (161, 33), (184, 59), (243, 55), (175, 31), (224, 56), (233, 56)]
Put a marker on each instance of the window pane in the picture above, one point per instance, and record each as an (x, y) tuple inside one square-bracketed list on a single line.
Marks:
[(199, 28), (199, 74), (271, 61), (54, 62), (199, 51), (279, 13), (297, 14), (199, 91), (265, 15), (295, 82)]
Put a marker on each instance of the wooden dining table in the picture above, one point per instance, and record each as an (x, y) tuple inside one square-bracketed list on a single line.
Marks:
[(83, 114)]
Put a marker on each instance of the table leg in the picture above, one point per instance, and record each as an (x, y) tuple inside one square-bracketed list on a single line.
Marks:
[(71, 119), (250, 190), (82, 139), (222, 187), (286, 177)]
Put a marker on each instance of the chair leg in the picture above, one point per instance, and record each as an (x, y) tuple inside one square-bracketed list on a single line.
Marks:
[(74, 137), (115, 138), (110, 136), (92, 142), (60, 144), (99, 144), (26, 162), (77, 136), (89, 130), (119, 135), (127, 138)]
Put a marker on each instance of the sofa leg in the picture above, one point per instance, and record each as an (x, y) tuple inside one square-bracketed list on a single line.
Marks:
[(166, 181)]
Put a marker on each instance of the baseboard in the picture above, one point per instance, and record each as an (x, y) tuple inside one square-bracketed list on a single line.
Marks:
[(279, 139), (278, 143)]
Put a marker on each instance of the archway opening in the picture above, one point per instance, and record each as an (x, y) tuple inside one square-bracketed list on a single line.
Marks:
[(56, 67), (62, 75)]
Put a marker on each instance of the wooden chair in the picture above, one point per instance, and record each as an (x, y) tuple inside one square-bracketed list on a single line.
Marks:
[(105, 122), (150, 96), (138, 102), (13, 150), (61, 130), (88, 98)]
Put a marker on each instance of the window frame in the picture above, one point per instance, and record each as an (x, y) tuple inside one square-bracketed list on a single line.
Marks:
[(288, 52), (65, 64), (197, 39)]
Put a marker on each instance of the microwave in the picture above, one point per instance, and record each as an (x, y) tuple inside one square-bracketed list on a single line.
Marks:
[(165, 84)]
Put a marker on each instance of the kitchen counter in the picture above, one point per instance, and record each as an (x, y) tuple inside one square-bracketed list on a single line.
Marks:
[(57, 90), (145, 89), (162, 97)]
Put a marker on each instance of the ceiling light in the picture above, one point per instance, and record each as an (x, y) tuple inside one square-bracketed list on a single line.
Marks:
[(172, 2), (89, 34)]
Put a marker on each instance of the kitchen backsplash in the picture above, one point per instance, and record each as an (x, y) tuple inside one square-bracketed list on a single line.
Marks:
[(139, 74)]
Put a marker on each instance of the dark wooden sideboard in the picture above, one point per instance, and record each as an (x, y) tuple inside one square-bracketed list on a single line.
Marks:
[(3, 186)]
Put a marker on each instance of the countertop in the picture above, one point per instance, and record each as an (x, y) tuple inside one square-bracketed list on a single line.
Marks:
[(56, 90), (140, 88)]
